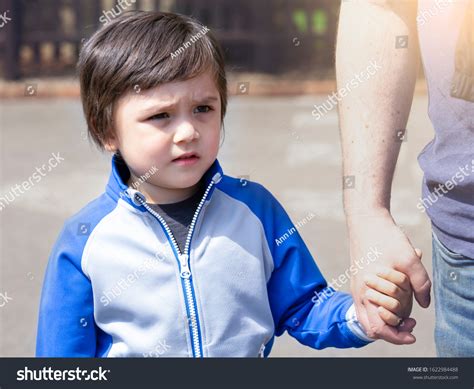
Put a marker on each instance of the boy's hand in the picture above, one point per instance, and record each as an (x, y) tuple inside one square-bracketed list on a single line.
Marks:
[(391, 290)]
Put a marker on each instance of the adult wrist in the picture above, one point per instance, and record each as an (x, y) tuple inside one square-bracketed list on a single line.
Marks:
[(354, 214)]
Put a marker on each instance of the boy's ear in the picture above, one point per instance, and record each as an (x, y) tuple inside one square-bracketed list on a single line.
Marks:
[(110, 147), (111, 144)]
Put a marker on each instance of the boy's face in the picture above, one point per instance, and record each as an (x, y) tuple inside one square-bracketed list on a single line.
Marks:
[(174, 128)]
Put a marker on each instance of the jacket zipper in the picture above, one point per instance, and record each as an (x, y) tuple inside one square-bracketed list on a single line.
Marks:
[(185, 270)]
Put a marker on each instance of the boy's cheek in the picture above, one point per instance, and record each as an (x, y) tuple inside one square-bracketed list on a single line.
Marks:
[(147, 152), (214, 143)]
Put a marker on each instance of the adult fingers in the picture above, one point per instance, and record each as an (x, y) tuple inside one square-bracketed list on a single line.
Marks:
[(419, 279), (407, 325), (379, 330)]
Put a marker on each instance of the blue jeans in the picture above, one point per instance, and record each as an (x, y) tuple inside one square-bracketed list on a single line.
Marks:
[(454, 302)]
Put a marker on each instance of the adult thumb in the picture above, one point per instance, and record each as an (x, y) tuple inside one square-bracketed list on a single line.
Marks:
[(420, 281)]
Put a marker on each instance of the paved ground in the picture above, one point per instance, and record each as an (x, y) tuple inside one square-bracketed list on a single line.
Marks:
[(275, 141)]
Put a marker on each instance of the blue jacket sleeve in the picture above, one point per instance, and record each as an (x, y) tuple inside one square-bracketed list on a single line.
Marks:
[(299, 298), (66, 325)]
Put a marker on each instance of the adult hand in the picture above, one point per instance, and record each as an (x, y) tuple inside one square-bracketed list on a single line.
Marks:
[(380, 231)]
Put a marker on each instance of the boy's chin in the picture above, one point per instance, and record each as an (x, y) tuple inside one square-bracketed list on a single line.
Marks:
[(185, 182)]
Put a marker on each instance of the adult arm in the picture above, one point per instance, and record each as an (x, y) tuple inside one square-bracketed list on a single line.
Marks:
[(373, 116)]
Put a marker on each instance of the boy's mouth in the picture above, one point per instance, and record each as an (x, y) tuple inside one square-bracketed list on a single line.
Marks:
[(186, 159)]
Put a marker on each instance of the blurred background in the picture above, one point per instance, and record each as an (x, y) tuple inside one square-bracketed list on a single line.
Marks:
[(45, 36), (280, 56)]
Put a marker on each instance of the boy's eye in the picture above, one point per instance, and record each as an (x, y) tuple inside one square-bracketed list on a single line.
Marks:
[(203, 108), (165, 115), (159, 116)]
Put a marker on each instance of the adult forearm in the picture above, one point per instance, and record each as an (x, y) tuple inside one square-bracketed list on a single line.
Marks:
[(373, 116)]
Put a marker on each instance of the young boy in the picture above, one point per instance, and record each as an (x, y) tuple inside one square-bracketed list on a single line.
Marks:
[(175, 258)]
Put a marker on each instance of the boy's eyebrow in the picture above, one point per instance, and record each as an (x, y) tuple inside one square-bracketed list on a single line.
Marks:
[(156, 107), (205, 98)]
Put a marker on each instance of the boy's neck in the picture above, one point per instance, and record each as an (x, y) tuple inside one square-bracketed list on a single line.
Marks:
[(160, 195)]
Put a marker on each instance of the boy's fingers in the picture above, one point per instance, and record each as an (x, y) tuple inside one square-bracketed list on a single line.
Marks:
[(392, 275), (389, 318), (362, 315), (387, 302), (382, 286)]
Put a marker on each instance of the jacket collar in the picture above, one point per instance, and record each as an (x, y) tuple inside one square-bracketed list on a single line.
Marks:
[(118, 189)]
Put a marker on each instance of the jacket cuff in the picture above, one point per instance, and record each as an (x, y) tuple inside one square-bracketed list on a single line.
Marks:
[(355, 326)]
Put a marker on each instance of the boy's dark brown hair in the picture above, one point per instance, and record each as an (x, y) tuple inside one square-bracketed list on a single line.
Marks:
[(142, 50)]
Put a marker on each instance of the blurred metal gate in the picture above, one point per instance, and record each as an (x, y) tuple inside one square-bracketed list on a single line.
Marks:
[(43, 37)]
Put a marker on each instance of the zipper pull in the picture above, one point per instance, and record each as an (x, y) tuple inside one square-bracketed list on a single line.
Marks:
[(217, 178), (185, 270), (261, 353)]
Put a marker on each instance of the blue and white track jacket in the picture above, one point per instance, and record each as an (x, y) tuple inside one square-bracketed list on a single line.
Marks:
[(117, 284)]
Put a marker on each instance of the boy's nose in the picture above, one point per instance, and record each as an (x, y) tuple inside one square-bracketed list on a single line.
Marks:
[(185, 132)]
